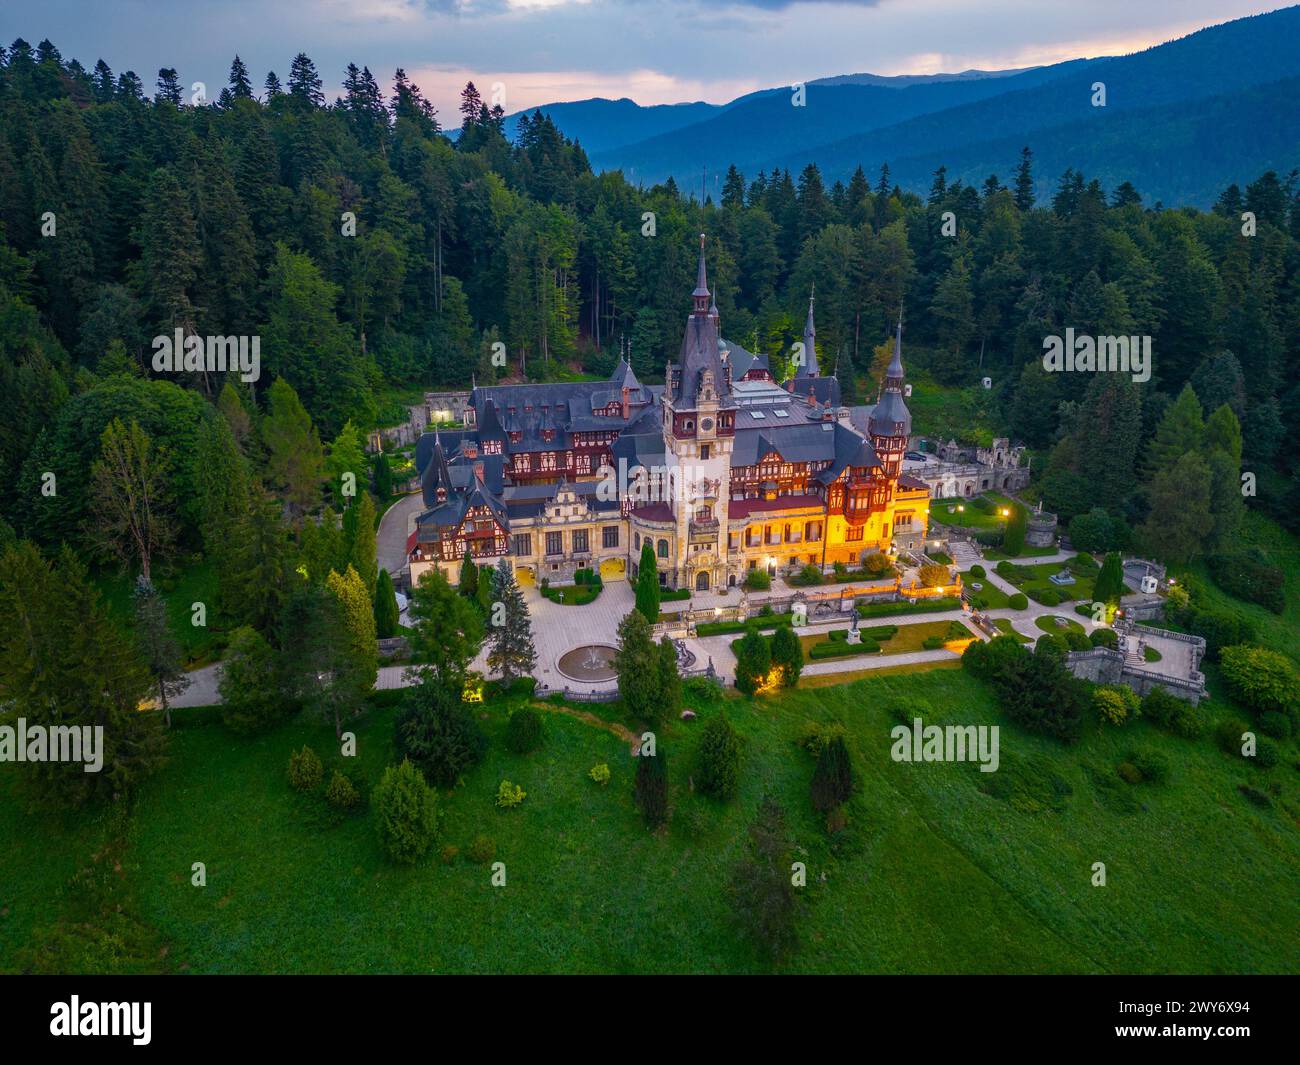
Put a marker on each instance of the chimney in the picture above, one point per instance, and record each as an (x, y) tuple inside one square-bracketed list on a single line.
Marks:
[(478, 471)]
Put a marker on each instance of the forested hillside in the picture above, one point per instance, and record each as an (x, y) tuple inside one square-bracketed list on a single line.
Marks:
[(231, 217)]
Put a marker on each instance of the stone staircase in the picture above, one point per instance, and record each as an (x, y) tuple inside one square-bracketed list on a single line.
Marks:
[(963, 554)]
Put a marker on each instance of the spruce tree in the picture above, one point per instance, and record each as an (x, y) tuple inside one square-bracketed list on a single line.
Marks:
[(468, 586), (787, 655), (1013, 540), (832, 781), (158, 647), (762, 896), (669, 679), (636, 663), (65, 661), (509, 630), (647, 583), (753, 661), (1109, 586), (359, 538), (718, 769), (295, 460), (651, 789), (386, 612)]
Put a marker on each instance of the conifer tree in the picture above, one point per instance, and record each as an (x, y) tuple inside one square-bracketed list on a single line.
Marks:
[(1025, 180), (1109, 586), (651, 788), (468, 584), (669, 693), (360, 549), (295, 461), (636, 663), (832, 781), (65, 662), (240, 87), (386, 612), (158, 647), (509, 630), (787, 655), (753, 661), (1013, 540), (353, 595), (763, 898), (647, 584), (718, 771)]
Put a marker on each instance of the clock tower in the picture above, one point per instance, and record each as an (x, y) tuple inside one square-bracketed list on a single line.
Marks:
[(699, 426)]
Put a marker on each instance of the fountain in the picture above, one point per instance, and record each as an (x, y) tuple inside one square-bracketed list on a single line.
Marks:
[(590, 662)]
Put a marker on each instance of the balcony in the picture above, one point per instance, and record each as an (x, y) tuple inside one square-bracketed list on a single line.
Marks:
[(705, 530)]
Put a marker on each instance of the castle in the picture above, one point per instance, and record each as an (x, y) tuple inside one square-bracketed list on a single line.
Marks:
[(721, 470)]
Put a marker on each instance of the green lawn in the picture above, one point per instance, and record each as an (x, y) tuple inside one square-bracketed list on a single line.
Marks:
[(1048, 624), (938, 875), (1007, 629), (573, 594), (1032, 578), (964, 513), (994, 598)]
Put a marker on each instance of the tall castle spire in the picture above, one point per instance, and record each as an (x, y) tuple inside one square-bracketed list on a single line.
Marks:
[(890, 417), (701, 293), (809, 366)]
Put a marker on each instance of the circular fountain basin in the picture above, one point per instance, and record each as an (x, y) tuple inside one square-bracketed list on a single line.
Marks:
[(590, 662)]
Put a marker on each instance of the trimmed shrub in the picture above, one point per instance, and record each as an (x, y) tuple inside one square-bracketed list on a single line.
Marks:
[(482, 849), (1228, 735), (1275, 724), (1259, 679), (1018, 601), (341, 792), (1046, 596), (1104, 638), (1152, 765), (599, 773), (1076, 641), (524, 730), (1249, 577), (651, 790), (1116, 703), (305, 770), (817, 735), (406, 813), (978, 571), (758, 580), (832, 781), (1172, 714), (718, 768), (933, 643)]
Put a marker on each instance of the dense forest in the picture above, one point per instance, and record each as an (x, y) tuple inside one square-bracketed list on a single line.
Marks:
[(370, 250)]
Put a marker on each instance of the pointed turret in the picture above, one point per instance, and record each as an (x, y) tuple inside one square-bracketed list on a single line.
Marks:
[(435, 484), (809, 366), (701, 293), (890, 417)]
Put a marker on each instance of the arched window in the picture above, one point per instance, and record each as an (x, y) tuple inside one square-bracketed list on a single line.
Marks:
[(663, 548)]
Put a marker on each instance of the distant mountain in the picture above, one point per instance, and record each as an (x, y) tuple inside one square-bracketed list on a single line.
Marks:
[(751, 130), (975, 122), (899, 81), (1164, 82), (601, 125)]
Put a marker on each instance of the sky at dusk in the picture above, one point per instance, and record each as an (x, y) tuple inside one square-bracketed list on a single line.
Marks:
[(654, 51)]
